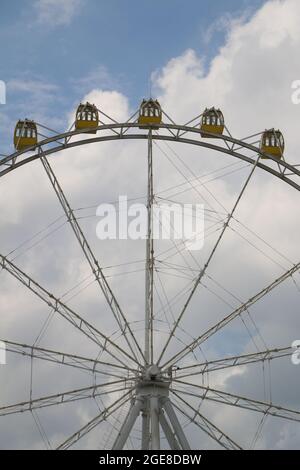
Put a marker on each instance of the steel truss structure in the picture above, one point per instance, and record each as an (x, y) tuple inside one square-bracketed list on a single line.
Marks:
[(157, 391)]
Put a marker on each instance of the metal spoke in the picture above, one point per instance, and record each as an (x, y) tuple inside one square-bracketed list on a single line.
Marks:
[(208, 427), (80, 362), (189, 348), (204, 269), (94, 422), (232, 361), (66, 312), (65, 397), (91, 259), (207, 393)]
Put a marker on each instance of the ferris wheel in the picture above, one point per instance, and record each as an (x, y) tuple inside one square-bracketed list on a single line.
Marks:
[(151, 383)]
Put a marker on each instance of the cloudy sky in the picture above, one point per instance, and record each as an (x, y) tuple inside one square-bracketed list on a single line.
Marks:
[(240, 56)]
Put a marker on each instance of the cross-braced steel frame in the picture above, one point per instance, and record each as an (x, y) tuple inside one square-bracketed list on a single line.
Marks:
[(156, 389)]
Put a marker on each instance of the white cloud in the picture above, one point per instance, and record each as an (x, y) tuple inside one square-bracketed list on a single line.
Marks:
[(225, 24), (57, 12)]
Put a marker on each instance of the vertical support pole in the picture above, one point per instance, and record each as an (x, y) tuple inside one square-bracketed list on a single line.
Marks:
[(128, 424), (149, 262), (146, 426), (154, 413), (148, 292), (176, 425)]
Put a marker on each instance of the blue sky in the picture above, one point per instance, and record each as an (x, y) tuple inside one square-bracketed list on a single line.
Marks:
[(129, 39)]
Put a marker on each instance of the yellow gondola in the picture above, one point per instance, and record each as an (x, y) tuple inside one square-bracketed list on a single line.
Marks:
[(212, 122), (25, 135), (272, 143), (150, 113), (87, 117)]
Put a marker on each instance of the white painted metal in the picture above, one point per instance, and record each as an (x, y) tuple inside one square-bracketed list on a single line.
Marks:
[(149, 386)]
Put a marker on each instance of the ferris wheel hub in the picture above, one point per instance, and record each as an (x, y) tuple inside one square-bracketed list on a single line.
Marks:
[(153, 382), (153, 372)]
